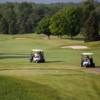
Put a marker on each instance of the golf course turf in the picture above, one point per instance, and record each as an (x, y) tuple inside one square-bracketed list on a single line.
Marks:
[(59, 78)]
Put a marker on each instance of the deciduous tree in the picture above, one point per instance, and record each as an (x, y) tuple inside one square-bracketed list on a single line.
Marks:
[(43, 27)]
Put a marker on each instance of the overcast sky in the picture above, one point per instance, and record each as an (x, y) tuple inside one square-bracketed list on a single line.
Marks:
[(42, 1)]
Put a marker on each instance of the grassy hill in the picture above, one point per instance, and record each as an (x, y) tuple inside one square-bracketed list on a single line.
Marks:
[(60, 78)]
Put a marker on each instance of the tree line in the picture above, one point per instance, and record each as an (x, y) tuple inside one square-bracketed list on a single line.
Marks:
[(51, 19), (23, 17)]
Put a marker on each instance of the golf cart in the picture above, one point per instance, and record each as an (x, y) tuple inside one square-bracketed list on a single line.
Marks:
[(87, 60), (37, 56)]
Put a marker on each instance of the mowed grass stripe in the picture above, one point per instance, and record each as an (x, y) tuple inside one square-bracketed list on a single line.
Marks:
[(60, 78)]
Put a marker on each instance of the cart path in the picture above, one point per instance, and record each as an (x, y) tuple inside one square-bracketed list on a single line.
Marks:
[(93, 70)]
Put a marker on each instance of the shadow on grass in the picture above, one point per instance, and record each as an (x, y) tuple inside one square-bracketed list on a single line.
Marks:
[(12, 55), (93, 67), (75, 38), (97, 66), (12, 88), (54, 61)]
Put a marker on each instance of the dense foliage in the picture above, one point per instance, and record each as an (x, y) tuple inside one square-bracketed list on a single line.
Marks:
[(43, 27), (23, 17), (91, 27), (64, 19)]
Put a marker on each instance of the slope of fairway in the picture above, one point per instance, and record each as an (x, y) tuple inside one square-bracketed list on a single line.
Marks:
[(50, 87), (14, 89), (59, 78), (15, 51)]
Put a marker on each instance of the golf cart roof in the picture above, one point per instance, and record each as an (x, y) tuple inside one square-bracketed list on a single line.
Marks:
[(87, 54), (37, 50)]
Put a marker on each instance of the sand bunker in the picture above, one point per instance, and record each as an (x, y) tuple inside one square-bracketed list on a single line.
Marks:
[(22, 38), (75, 47)]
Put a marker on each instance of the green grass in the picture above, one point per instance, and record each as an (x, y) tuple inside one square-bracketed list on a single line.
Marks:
[(14, 89), (51, 87), (60, 78)]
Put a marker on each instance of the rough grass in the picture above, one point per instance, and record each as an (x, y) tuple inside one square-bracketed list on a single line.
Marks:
[(60, 78)]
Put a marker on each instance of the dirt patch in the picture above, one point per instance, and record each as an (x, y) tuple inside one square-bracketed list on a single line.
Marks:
[(93, 70), (76, 47)]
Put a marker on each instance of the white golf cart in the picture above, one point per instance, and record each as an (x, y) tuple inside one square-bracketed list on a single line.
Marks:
[(87, 60), (37, 56)]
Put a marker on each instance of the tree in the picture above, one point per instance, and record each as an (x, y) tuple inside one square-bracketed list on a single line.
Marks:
[(97, 10), (24, 12), (24, 17), (37, 14), (43, 27), (66, 21), (3, 25), (73, 21), (91, 27), (58, 24), (10, 18), (87, 7), (90, 20)]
